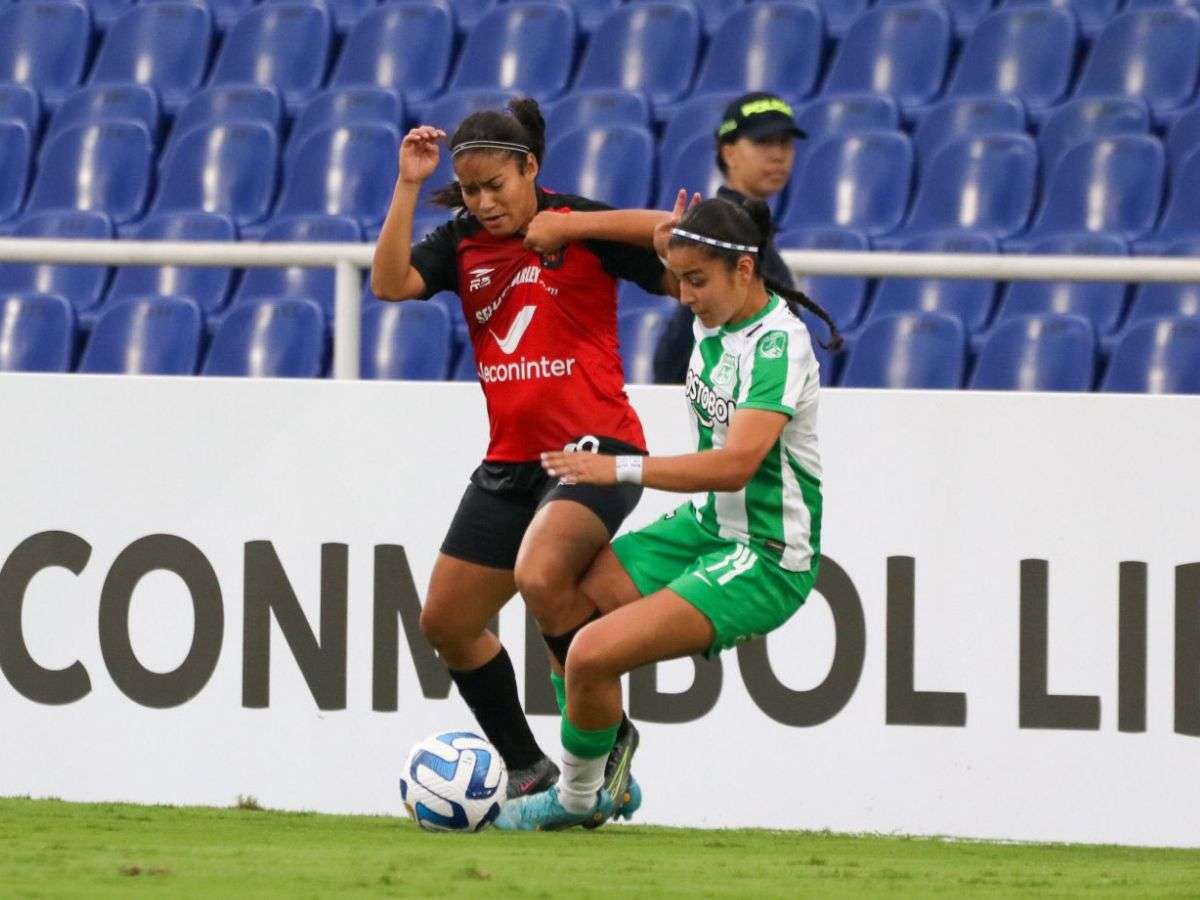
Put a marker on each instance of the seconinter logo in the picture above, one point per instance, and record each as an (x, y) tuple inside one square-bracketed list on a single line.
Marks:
[(527, 369), (516, 330)]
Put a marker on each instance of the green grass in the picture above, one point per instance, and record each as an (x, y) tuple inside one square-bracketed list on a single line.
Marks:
[(49, 848)]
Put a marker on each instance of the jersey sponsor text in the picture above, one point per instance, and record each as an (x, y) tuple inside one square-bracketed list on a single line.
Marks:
[(710, 406), (526, 369)]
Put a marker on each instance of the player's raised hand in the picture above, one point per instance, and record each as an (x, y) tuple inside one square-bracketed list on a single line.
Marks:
[(547, 232), (662, 232), (581, 467), (419, 153)]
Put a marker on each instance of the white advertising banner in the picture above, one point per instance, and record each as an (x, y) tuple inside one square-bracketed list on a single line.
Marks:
[(210, 587)]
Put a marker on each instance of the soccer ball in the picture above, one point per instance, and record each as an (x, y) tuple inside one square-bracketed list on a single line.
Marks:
[(454, 781)]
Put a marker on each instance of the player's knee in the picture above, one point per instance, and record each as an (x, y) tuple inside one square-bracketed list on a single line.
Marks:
[(588, 659), (440, 628), (542, 586)]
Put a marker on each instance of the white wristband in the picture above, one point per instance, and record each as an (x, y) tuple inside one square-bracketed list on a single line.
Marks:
[(629, 469)]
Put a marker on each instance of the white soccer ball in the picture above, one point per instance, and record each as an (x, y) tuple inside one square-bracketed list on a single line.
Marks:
[(453, 781)]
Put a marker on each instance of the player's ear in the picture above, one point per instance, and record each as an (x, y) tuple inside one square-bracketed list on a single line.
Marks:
[(531, 168), (745, 269)]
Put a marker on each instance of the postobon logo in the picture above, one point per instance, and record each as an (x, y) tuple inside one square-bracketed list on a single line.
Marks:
[(710, 406)]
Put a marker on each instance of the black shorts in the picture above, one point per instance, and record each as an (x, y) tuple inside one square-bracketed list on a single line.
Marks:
[(503, 498)]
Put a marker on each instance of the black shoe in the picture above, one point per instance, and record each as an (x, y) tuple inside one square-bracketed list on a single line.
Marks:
[(541, 776), (617, 770)]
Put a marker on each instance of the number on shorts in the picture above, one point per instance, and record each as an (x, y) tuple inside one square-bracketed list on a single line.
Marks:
[(736, 563)]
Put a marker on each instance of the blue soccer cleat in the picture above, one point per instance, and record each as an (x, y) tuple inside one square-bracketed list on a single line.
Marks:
[(633, 801), (544, 812)]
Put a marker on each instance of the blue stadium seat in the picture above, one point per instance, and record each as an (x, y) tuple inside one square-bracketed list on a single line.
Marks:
[(405, 340), (613, 164), (694, 168), (459, 332), (270, 338), (768, 46), (714, 13), (968, 300), (467, 13), (918, 350), (345, 106), (1107, 184), (965, 15), (630, 296), (464, 365), (1161, 300), (401, 47), (1027, 52), (1038, 353), (105, 102), (1152, 54), (314, 283), (901, 51), (349, 170), (103, 167), (958, 117), (879, 166), (605, 106), (1183, 137), (39, 333), (164, 46), (1182, 216), (16, 163), (281, 45), (693, 118), (20, 103), (345, 14), (1100, 301), (523, 47), (105, 12), (207, 286), (638, 331), (1157, 356), (844, 297), (848, 112), (44, 45), (841, 14), (1089, 117), (145, 336), (588, 13), (225, 13), (229, 168), (650, 46), (230, 103), (1092, 15), (82, 286)]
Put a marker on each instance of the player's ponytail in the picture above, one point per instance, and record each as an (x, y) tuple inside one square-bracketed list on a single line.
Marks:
[(520, 131), (748, 224)]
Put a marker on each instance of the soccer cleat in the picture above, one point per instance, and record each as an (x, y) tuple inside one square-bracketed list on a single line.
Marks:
[(544, 812), (633, 801), (617, 771), (541, 776)]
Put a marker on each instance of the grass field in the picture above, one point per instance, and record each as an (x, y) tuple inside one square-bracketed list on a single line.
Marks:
[(53, 849)]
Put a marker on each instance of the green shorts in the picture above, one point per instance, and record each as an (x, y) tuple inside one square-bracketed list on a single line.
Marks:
[(742, 592)]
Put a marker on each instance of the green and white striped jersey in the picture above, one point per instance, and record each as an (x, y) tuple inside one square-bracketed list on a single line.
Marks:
[(765, 362)]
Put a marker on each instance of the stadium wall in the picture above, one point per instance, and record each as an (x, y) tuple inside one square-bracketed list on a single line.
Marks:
[(210, 587)]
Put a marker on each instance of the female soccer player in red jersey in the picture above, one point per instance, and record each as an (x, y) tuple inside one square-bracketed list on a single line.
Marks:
[(544, 332)]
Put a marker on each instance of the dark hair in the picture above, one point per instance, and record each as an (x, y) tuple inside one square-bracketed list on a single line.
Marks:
[(748, 223), (521, 124)]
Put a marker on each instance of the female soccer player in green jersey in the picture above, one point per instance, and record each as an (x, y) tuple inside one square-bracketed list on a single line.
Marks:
[(738, 559)]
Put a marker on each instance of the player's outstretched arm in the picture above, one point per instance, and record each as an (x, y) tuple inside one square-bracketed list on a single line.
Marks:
[(551, 230), (392, 275)]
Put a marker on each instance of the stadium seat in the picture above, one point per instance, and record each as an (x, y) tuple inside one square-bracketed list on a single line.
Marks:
[(1038, 353), (958, 117), (638, 331), (1102, 302), (105, 12), (768, 46), (44, 45), (524, 47), (965, 15), (918, 350), (207, 286), (281, 45), (859, 181), (82, 286), (968, 300), (605, 106), (225, 13), (103, 167), (841, 14), (631, 296), (693, 118), (613, 164), (106, 102), (349, 170), (229, 168), (16, 164), (1108, 184), (844, 297), (230, 103), (848, 112), (1151, 54), (20, 103), (459, 332), (648, 46), (1157, 356), (1183, 137), (1089, 117), (401, 47), (270, 338), (344, 106), (1092, 15), (1182, 216), (1161, 300), (164, 46), (315, 283), (405, 340), (588, 13), (344, 14), (464, 365), (145, 336), (694, 168), (900, 51), (1025, 52), (38, 333), (467, 13)]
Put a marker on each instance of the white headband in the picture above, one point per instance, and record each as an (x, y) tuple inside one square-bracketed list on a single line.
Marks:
[(724, 245), (489, 145)]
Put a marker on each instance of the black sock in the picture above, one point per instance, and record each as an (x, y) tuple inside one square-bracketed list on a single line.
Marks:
[(491, 692), (560, 644)]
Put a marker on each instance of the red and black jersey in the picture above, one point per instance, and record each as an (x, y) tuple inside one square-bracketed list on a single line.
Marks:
[(544, 329)]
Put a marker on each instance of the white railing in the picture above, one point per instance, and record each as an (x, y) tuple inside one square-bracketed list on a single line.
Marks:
[(348, 260)]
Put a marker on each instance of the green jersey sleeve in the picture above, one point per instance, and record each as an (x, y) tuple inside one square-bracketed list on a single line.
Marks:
[(779, 372)]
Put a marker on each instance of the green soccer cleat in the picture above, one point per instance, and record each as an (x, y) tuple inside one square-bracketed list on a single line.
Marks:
[(544, 812), (618, 775)]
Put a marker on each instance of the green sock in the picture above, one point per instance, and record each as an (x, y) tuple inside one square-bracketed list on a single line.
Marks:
[(560, 692), (588, 744)]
